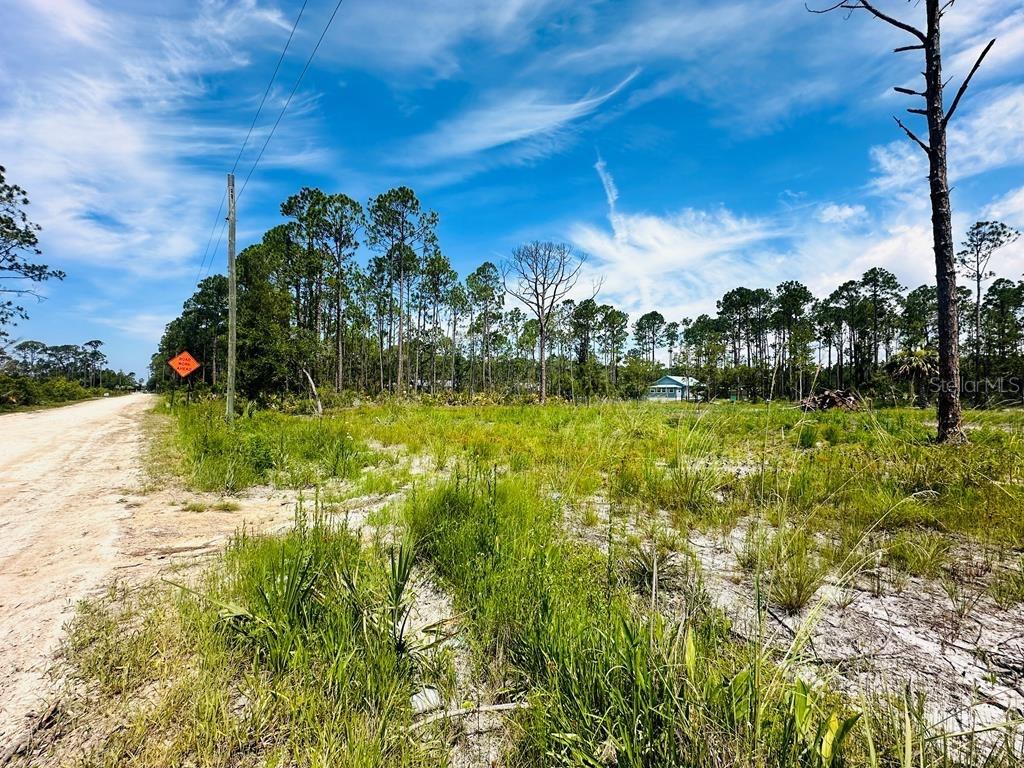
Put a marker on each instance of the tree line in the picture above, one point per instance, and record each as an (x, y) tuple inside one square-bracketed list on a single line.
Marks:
[(872, 335), (85, 364), (399, 320), (347, 297), (34, 373)]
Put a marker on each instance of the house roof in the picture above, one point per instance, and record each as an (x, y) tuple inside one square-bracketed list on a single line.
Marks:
[(676, 381)]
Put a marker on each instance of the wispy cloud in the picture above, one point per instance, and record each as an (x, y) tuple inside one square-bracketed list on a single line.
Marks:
[(611, 192), (678, 263), (726, 56), (77, 20), (419, 41), (144, 326), (969, 29), (1008, 207), (527, 121), (760, 62), (106, 137)]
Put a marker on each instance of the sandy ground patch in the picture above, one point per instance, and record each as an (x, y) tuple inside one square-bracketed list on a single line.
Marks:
[(75, 514), (971, 670)]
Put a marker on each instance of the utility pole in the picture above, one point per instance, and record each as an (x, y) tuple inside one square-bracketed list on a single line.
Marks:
[(232, 301)]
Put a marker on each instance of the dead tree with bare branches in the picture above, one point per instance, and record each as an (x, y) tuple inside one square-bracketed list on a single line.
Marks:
[(540, 275), (928, 40)]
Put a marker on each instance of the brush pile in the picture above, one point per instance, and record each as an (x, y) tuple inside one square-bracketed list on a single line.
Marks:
[(830, 399)]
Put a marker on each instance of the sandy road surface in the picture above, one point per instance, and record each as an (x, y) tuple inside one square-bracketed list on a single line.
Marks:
[(74, 516), (62, 472)]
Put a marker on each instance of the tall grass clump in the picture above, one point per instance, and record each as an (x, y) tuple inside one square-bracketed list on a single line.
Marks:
[(1007, 588), (294, 650), (265, 447), (922, 553), (798, 572), (608, 681)]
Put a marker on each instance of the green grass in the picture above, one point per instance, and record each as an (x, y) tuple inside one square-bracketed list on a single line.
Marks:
[(610, 682), (294, 649), (707, 465), (922, 553), (265, 448), (798, 571), (1007, 588)]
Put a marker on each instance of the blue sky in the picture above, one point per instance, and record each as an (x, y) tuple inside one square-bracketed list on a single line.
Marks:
[(686, 146)]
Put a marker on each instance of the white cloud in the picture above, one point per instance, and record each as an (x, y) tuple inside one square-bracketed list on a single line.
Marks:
[(985, 136), (679, 263), (824, 258), (529, 119), (1008, 208), (840, 214), (990, 136), (102, 137), (968, 29)]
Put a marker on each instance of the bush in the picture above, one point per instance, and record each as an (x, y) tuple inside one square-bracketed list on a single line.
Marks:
[(62, 390), (21, 391), (17, 390)]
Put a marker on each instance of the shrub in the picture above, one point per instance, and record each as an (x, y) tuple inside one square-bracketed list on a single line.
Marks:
[(19, 391)]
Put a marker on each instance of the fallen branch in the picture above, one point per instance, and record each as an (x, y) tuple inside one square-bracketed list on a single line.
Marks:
[(316, 395), (829, 399), (463, 712)]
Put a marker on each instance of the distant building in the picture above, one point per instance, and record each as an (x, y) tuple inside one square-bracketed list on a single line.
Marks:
[(672, 388)]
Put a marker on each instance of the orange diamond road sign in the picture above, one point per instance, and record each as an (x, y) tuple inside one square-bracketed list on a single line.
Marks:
[(184, 364)]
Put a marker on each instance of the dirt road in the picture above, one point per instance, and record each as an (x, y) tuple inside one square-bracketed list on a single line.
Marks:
[(73, 516), (62, 472)]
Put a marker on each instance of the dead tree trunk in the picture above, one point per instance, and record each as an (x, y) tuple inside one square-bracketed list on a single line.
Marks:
[(950, 422), (929, 41)]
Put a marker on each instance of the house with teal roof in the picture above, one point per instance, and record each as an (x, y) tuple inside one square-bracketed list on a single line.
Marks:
[(672, 388)]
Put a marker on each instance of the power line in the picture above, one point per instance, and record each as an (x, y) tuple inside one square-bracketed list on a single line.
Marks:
[(288, 101), (232, 303), (270, 85), (245, 142), (220, 237), (209, 240)]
